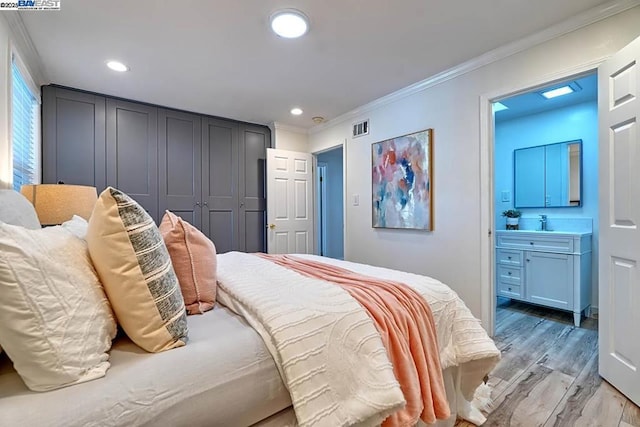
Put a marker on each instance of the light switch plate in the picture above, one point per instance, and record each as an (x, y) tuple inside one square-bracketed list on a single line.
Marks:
[(356, 200), (506, 196)]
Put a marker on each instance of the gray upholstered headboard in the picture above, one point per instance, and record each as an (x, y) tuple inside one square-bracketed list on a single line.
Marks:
[(15, 209)]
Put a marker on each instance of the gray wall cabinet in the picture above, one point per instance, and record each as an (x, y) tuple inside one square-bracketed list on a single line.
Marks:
[(220, 174), (209, 171), (73, 134), (180, 165), (252, 189), (132, 152)]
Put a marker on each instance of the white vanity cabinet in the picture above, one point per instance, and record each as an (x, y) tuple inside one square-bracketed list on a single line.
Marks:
[(546, 268)]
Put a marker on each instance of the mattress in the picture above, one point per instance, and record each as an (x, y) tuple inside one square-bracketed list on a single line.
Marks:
[(224, 376)]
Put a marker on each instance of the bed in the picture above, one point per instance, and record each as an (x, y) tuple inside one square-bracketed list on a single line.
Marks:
[(231, 371), (226, 376)]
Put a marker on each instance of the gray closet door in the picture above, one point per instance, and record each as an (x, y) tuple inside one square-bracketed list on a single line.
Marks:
[(220, 183), (180, 165), (253, 194), (132, 152), (73, 138)]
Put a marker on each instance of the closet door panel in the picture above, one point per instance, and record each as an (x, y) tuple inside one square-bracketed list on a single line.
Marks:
[(180, 165), (73, 138), (253, 200), (220, 183), (132, 152)]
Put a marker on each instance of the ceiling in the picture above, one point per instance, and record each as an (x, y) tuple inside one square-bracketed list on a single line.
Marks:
[(220, 57), (533, 102)]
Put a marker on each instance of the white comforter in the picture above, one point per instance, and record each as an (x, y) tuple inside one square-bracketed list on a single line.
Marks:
[(326, 347)]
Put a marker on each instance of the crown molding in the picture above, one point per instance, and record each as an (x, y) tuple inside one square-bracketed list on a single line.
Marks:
[(290, 128), (581, 20), (21, 38)]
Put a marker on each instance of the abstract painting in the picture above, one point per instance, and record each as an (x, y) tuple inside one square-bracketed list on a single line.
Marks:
[(401, 182)]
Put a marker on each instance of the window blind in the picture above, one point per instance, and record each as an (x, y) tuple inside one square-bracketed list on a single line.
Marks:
[(24, 130)]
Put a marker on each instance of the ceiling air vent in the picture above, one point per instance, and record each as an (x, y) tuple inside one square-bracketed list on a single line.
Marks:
[(361, 128)]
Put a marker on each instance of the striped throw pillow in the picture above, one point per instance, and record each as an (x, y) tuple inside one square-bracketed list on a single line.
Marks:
[(134, 266)]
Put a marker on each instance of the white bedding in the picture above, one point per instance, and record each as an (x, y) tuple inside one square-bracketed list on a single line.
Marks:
[(270, 297), (223, 377)]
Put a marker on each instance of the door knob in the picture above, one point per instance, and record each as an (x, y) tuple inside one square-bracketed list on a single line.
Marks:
[(271, 226)]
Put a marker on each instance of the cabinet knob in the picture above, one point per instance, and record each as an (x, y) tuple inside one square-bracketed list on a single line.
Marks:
[(531, 243), (509, 257), (197, 203), (528, 260), (509, 289), (509, 273), (205, 204)]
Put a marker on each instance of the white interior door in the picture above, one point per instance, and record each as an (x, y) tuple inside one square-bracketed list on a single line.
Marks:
[(619, 111), (289, 202)]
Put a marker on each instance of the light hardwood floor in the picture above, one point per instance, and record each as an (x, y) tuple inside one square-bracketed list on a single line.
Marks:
[(548, 375)]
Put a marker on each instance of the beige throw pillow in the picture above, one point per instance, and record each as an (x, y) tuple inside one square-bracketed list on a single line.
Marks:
[(135, 269), (193, 257), (55, 321)]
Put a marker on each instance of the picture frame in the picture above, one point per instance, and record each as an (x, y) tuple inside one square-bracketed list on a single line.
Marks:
[(401, 182)]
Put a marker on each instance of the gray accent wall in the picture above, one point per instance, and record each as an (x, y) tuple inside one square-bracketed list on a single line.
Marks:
[(209, 171)]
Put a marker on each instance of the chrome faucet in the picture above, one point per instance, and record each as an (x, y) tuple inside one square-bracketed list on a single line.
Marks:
[(543, 223)]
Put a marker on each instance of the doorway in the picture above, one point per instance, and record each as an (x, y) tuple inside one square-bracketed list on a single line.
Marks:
[(545, 179), (330, 203)]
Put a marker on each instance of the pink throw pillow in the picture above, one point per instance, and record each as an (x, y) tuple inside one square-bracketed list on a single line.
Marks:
[(194, 260)]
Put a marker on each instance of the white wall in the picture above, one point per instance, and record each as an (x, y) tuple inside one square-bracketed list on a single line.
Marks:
[(452, 251), (5, 81), (289, 138), (12, 37)]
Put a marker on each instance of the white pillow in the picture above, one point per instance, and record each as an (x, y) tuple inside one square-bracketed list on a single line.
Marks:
[(77, 226), (56, 324), (17, 210)]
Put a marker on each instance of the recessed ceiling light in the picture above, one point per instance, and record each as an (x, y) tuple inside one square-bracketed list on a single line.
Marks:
[(499, 106), (559, 91), (296, 111), (289, 23), (117, 66)]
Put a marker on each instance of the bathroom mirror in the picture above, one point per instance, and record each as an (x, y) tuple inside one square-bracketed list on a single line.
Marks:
[(548, 176)]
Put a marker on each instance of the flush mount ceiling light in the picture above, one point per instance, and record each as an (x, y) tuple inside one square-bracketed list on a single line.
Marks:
[(296, 111), (499, 106), (554, 93), (289, 23), (117, 66), (561, 90)]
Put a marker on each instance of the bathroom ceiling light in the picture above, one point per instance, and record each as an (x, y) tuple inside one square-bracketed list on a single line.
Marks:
[(499, 106), (289, 23), (117, 66), (559, 91), (296, 111)]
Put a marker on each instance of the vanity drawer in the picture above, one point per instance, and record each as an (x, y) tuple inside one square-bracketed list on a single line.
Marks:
[(511, 275), (509, 290), (535, 243), (509, 257)]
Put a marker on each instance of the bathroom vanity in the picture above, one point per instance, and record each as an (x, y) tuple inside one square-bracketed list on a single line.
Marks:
[(548, 268)]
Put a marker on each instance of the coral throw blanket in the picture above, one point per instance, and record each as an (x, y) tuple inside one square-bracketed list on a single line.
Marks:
[(407, 328)]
